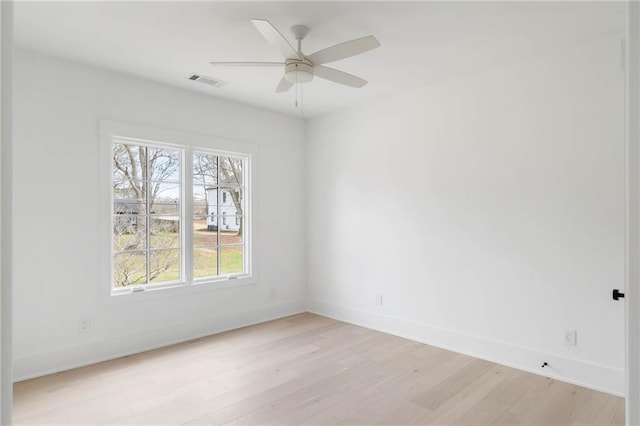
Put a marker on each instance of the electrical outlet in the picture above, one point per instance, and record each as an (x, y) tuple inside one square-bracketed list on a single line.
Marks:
[(570, 338), (379, 300), (84, 325)]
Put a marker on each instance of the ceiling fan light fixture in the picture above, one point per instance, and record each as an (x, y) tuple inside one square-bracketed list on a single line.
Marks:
[(299, 72)]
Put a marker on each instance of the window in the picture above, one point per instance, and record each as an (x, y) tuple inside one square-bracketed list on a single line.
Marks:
[(147, 223), (179, 215), (219, 183)]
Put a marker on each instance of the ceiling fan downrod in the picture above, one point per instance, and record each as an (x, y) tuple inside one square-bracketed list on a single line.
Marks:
[(300, 32)]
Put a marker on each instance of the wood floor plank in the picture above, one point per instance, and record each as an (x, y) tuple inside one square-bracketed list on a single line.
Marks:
[(306, 369), (443, 392), (458, 404), (391, 371), (618, 416), (378, 403)]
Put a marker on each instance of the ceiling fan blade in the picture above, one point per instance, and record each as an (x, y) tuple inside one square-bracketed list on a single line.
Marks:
[(344, 50), (336, 76), (273, 36), (284, 85), (247, 64)]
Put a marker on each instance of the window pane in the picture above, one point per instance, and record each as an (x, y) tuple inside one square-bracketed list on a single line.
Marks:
[(231, 233), (129, 162), (205, 231), (205, 169), (231, 201), (231, 260), (164, 265), (147, 193), (164, 198), (129, 232), (128, 189), (165, 232), (131, 207), (129, 268), (228, 223), (164, 165), (205, 262), (199, 201), (204, 200), (230, 171), (211, 196)]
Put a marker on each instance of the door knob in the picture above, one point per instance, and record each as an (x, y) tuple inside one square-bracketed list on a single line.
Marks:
[(617, 294)]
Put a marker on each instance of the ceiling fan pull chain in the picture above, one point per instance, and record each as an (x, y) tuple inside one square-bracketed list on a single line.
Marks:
[(296, 88), (301, 100)]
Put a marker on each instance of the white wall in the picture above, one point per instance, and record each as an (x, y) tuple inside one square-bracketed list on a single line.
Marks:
[(510, 184), (6, 143), (632, 402), (58, 105)]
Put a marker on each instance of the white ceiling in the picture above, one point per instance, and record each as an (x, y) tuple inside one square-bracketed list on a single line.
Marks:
[(422, 42)]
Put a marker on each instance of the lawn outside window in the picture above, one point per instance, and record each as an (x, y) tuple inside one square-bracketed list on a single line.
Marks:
[(179, 210)]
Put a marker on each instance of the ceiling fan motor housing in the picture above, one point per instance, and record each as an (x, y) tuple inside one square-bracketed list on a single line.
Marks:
[(298, 72)]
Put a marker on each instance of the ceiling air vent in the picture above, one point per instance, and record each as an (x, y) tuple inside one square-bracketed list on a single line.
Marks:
[(207, 80)]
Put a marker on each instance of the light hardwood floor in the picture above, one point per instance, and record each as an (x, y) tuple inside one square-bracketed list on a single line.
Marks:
[(307, 369)]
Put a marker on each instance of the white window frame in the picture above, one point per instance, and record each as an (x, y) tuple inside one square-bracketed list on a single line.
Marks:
[(114, 131)]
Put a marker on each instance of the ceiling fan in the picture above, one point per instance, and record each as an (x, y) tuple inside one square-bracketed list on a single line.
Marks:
[(301, 68)]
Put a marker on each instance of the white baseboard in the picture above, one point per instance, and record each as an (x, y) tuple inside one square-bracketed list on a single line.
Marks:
[(579, 372), (93, 352), (576, 371)]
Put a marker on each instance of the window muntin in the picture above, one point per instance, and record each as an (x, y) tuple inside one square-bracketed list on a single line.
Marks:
[(146, 214)]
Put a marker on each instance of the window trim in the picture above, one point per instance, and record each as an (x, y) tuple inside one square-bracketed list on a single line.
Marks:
[(189, 142)]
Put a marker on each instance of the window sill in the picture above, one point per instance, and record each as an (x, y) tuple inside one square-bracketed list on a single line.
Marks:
[(152, 292)]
